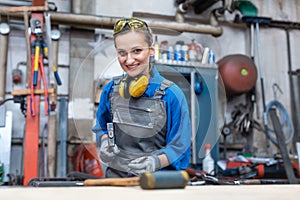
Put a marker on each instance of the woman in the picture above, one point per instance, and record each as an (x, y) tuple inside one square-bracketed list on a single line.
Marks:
[(147, 115)]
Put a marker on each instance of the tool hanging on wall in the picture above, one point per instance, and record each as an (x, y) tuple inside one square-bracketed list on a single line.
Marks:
[(39, 50), (239, 75), (52, 67), (255, 22)]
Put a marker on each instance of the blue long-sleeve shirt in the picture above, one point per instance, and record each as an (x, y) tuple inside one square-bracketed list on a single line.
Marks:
[(178, 136)]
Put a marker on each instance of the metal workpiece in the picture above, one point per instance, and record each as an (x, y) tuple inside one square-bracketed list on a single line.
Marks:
[(62, 135), (111, 137)]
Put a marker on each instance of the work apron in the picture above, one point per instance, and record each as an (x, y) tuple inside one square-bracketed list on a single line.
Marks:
[(139, 126)]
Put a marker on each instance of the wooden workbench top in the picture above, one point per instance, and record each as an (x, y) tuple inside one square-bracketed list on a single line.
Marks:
[(211, 192)]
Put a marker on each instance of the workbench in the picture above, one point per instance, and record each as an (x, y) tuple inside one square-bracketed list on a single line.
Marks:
[(204, 192)]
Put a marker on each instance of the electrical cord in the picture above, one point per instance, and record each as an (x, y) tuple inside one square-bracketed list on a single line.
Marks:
[(284, 119), (17, 99), (6, 100)]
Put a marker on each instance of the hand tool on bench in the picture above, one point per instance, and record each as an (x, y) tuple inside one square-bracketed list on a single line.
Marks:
[(132, 181), (203, 179), (147, 180)]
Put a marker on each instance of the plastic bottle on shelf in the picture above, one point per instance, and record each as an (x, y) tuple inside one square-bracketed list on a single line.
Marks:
[(170, 55), (164, 51), (205, 56), (156, 49), (208, 163), (211, 57), (185, 53), (192, 51), (200, 51), (177, 52)]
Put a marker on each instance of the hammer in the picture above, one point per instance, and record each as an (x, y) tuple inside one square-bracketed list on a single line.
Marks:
[(147, 180)]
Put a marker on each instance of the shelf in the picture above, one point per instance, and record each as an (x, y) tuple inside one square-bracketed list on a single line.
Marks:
[(189, 64)]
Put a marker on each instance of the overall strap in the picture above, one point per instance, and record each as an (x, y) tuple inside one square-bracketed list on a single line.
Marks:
[(160, 92), (117, 80)]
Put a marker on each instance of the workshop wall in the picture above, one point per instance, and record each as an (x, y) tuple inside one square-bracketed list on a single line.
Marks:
[(274, 62), (236, 40), (86, 56)]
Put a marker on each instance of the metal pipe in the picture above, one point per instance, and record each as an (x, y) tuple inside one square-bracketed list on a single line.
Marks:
[(183, 7), (3, 57), (63, 121), (179, 15), (202, 5), (52, 130), (193, 118), (184, 27), (293, 92), (76, 6), (82, 20), (102, 22)]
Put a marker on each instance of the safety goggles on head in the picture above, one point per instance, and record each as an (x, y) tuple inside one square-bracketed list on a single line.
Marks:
[(133, 23)]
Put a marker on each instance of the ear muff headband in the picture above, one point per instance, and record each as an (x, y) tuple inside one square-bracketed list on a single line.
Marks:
[(123, 89), (133, 87), (138, 86)]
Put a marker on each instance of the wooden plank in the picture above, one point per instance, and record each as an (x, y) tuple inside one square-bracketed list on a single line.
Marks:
[(226, 192), (23, 9), (27, 92)]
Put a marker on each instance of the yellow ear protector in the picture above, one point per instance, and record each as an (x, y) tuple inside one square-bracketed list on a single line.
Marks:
[(134, 87)]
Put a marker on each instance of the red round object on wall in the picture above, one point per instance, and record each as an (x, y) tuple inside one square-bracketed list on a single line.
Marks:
[(17, 76), (238, 73)]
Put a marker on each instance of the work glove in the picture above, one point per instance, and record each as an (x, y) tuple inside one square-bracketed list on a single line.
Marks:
[(144, 164), (106, 153)]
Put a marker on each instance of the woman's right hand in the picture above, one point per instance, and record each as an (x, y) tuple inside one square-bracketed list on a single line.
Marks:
[(107, 153)]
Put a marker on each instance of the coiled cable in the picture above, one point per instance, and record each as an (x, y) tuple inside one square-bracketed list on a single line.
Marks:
[(286, 122)]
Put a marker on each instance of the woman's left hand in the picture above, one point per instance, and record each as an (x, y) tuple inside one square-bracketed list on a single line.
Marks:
[(144, 164)]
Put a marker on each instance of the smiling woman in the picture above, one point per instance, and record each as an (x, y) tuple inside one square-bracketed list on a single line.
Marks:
[(134, 53), (148, 115)]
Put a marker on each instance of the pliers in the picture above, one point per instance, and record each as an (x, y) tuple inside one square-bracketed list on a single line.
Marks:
[(38, 66)]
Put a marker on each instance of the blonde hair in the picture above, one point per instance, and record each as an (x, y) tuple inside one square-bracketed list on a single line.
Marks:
[(147, 34)]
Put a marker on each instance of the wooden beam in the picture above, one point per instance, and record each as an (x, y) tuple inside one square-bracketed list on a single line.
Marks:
[(23, 9), (27, 92)]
